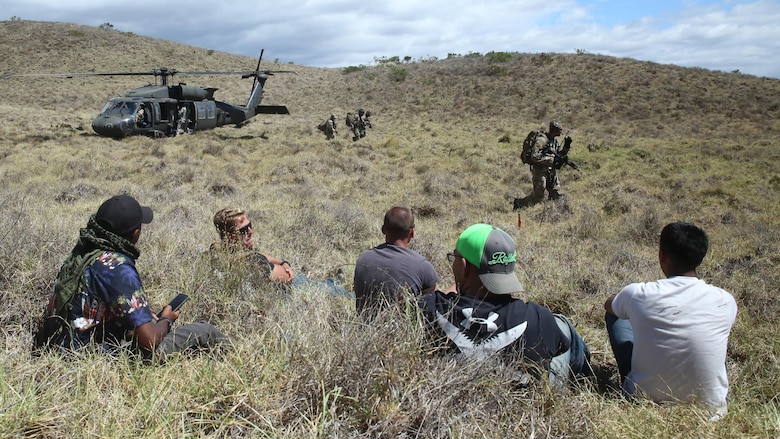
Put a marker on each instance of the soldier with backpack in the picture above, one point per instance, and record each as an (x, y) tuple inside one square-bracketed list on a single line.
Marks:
[(357, 123), (329, 127), (544, 155)]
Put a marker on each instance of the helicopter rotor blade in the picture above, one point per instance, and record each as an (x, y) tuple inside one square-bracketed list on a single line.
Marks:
[(163, 72), (73, 75)]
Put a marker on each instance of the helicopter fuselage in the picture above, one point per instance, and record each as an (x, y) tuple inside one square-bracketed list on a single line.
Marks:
[(161, 111)]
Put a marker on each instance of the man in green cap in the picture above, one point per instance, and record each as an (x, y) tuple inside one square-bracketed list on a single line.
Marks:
[(480, 317)]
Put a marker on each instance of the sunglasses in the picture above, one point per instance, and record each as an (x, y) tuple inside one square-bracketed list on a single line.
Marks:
[(245, 230), (451, 257)]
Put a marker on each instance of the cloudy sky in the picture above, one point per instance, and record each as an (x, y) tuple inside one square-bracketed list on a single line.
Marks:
[(723, 35)]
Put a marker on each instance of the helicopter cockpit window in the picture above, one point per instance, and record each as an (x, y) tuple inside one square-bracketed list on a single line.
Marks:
[(119, 108), (200, 110)]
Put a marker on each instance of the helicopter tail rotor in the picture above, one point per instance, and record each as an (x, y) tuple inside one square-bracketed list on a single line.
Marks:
[(254, 83)]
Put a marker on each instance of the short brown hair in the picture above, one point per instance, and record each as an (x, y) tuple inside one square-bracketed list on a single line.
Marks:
[(399, 220), (225, 219)]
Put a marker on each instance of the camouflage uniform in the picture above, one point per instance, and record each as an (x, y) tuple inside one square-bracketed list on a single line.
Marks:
[(183, 122), (140, 117), (367, 120), (329, 127), (359, 125), (544, 175)]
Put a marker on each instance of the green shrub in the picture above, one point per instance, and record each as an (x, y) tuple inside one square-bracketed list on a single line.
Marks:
[(398, 73), (352, 69), (498, 57)]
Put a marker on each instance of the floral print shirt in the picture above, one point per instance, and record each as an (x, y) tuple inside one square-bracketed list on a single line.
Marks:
[(111, 303)]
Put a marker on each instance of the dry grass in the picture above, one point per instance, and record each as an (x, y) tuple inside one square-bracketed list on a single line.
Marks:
[(655, 143)]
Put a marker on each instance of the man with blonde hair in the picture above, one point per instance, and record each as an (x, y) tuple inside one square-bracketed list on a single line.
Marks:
[(237, 237)]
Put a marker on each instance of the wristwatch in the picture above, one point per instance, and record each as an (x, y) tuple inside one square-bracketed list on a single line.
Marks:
[(167, 319)]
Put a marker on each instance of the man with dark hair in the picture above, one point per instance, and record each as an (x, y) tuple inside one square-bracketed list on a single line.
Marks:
[(382, 272), (480, 317), (669, 337), (98, 297)]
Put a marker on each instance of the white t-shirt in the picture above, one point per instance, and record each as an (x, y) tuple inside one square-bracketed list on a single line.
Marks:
[(681, 329)]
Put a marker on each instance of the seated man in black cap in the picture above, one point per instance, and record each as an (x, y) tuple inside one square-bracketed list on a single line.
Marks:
[(480, 317), (98, 298)]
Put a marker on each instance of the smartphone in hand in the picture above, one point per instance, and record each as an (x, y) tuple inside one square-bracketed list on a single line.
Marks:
[(176, 303)]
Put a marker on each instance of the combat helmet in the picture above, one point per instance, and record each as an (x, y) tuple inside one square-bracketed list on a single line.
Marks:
[(361, 111), (556, 124)]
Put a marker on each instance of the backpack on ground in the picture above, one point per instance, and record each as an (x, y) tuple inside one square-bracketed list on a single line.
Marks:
[(528, 146)]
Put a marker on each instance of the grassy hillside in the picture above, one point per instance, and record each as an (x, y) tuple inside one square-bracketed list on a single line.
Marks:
[(655, 144)]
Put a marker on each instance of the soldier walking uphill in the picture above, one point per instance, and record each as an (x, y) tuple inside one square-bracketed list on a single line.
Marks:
[(544, 155), (357, 123), (329, 127)]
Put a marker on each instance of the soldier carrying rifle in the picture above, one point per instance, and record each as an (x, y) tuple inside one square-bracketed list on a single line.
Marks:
[(544, 155)]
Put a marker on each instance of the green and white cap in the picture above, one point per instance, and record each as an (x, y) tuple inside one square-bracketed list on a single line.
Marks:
[(493, 252)]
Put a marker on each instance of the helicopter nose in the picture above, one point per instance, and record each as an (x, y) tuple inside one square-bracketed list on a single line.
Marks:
[(111, 127)]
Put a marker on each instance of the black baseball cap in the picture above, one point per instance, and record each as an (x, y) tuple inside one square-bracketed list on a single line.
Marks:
[(122, 214)]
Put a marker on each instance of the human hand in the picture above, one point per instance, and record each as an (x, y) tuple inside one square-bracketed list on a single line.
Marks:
[(169, 313), (282, 272)]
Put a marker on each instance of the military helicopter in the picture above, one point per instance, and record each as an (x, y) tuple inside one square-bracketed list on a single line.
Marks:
[(167, 110)]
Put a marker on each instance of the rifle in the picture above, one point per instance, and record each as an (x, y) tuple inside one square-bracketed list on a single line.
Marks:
[(561, 160)]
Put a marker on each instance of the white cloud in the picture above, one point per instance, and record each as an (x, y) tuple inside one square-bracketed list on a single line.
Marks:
[(716, 34)]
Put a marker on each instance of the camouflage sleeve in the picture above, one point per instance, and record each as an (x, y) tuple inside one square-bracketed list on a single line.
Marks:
[(538, 157), (563, 149)]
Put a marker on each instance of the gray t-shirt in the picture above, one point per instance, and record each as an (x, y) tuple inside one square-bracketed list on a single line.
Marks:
[(385, 270)]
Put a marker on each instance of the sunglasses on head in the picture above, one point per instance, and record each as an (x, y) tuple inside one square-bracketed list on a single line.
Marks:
[(244, 230)]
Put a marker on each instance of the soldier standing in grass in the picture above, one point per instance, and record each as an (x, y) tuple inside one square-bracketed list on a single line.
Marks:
[(329, 127), (480, 317), (670, 336), (545, 156), (98, 298), (367, 120), (359, 125), (383, 272)]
